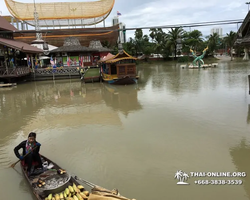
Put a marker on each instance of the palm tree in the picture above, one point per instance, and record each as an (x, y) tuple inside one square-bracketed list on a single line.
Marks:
[(173, 35), (193, 39), (213, 41), (158, 39), (229, 39), (152, 33)]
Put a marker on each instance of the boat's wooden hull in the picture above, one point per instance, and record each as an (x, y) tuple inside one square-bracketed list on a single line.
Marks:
[(122, 81), (42, 193)]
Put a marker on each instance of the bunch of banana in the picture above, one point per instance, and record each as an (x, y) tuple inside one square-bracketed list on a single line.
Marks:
[(70, 193)]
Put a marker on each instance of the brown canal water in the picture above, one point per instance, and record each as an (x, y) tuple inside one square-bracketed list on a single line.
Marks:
[(136, 137)]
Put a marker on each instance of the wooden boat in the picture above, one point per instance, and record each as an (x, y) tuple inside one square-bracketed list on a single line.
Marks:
[(119, 69), (53, 182), (90, 74), (7, 84)]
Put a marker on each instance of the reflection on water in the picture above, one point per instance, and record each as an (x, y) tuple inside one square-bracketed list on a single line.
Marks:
[(24, 186), (240, 155), (248, 114), (121, 98), (136, 137), (63, 104)]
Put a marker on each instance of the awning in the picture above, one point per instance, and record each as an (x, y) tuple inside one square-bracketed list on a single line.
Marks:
[(24, 47), (107, 57)]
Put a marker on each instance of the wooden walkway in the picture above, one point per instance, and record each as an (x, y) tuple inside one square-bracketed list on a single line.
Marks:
[(40, 74)]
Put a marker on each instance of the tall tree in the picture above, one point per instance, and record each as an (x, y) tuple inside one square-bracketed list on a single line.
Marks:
[(213, 42), (193, 39), (173, 35), (130, 46), (138, 42), (159, 39), (229, 39)]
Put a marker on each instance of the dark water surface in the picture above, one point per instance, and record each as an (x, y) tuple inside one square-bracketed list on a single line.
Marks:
[(136, 137)]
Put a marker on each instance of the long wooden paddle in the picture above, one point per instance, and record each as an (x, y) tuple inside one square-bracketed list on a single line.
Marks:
[(92, 185), (13, 165)]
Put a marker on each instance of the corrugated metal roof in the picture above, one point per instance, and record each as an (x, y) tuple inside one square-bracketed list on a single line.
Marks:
[(5, 25), (24, 47)]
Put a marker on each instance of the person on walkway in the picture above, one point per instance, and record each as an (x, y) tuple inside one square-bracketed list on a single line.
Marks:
[(32, 146)]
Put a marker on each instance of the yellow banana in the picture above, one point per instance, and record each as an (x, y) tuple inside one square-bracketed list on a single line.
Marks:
[(61, 196), (80, 187), (71, 188), (50, 197), (75, 197), (83, 195), (79, 196), (57, 197), (86, 192), (75, 188), (65, 195), (67, 191)]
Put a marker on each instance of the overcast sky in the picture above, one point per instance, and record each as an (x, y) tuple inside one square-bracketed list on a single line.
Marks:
[(141, 13)]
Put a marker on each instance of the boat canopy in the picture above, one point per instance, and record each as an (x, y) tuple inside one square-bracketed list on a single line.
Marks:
[(62, 13), (118, 57)]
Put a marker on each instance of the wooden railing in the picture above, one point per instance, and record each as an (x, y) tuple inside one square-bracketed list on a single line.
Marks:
[(14, 72), (59, 71)]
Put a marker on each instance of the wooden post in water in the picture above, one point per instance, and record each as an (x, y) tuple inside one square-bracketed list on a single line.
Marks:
[(249, 83)]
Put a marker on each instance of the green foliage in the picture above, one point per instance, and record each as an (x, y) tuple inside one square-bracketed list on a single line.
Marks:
[(213, 42), (193, 39), (172, 37), (167, 44), (229, 40), (138, 34)]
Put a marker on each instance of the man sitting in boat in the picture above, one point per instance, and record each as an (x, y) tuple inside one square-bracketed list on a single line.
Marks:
[(30, 147)]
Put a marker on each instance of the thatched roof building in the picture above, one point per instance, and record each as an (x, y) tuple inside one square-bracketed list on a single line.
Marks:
[(96, 44), (72, 53), (72, 44)]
